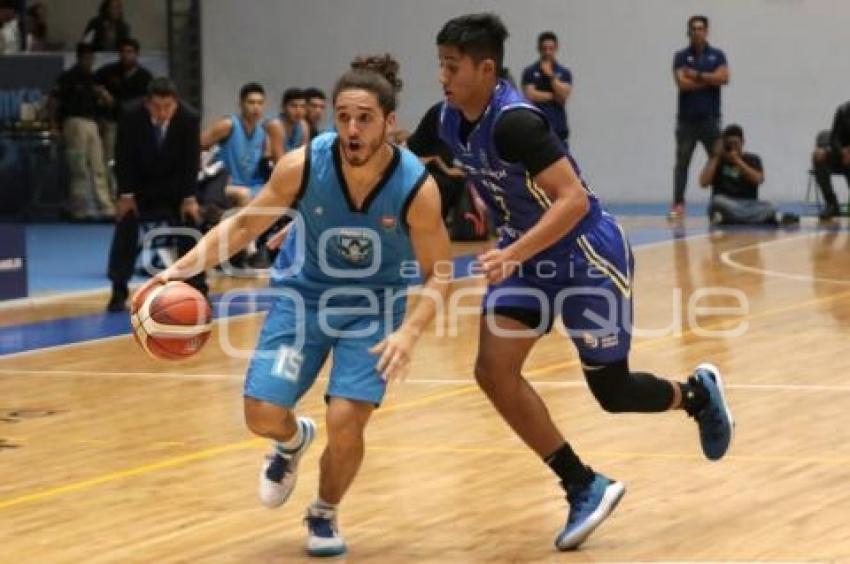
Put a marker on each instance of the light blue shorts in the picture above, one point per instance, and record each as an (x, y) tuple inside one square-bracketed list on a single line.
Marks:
[(295, 342)]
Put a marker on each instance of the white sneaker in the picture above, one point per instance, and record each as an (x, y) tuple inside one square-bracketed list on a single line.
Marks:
[(278, 475), (323, 538)]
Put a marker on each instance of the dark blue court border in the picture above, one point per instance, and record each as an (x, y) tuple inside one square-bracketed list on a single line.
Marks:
[(64, 331)]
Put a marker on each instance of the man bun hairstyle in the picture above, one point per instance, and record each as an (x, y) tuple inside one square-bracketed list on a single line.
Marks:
[(377, 74)]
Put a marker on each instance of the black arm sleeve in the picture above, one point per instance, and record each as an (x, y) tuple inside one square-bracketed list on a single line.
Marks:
[(523, 136), (425, 141)]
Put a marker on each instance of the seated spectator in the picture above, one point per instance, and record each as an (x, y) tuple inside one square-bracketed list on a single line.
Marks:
[(107, 30), (78, 100), (249, 145), (245, 140), (296, 132), (10, 28), (833, 158), (734, 177), (316, 103), (157, 156)]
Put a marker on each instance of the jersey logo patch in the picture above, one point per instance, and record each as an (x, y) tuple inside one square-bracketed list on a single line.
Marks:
[(388, 222), (354, 247)]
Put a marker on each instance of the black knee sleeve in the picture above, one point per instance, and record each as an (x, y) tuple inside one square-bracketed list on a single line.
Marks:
[(617, 390)]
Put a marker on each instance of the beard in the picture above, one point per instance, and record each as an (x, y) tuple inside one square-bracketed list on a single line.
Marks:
[(363, 154)]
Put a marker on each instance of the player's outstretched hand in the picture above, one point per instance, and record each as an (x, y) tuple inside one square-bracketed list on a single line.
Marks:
[(395, 351)]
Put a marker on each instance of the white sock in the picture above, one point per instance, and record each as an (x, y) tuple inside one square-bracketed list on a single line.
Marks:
[(288, 448), (323, 506)]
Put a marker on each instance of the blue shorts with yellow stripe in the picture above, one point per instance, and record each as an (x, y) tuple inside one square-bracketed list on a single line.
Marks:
[(589, 286)]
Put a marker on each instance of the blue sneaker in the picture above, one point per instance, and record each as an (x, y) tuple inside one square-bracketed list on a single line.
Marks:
[(589, 506), (323, 538), (716, 427), (279, 474)]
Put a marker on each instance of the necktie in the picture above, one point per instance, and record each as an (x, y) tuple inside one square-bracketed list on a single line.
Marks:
[(159, 134)]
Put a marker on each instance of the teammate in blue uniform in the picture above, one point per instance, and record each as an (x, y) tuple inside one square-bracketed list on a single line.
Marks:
[(559, 253), (292, 119), (366, 210), (245, 140)]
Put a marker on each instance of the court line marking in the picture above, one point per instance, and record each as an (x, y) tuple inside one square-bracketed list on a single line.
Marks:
[(583, 384), (726, 258), (91, 374), (63, 346), (203, 454), (591, 454), (32, 301), (451, 381), (214, 451)]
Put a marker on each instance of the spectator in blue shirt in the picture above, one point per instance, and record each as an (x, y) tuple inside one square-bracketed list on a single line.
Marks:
[(548, 85), (699, 71)]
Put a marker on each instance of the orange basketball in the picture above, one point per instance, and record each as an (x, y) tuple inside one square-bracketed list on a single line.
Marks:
[(172, 322)]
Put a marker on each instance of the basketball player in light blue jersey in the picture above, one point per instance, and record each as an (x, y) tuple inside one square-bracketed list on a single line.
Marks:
[(560, 253), (293, 119), (366, 210), (245, 140)]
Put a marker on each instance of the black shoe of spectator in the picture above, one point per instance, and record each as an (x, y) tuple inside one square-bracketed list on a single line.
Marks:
[(118, 300), (828, 213), (788, 219)]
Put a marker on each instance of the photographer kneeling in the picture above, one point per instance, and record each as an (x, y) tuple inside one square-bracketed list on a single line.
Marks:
[(734, 177)]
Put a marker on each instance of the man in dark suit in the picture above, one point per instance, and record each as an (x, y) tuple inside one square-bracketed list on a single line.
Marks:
[(157, 158)]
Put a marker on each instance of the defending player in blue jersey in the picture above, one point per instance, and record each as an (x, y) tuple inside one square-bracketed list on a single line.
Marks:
[(366, 209), (559, 253), (244, 140)]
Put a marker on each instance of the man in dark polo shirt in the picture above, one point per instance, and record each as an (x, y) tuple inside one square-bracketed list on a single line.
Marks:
[(77, 99), (699, 71), (548, 85), (126, 80)]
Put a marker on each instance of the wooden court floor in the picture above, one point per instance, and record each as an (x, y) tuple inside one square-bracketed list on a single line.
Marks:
[(112, 457)]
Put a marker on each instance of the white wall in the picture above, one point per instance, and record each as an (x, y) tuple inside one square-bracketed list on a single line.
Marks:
[(66, 20), (787, 58)]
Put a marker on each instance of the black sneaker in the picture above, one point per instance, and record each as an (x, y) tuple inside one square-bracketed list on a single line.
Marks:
[(828, 213), (788, 219), (118, 299), (716, 426)]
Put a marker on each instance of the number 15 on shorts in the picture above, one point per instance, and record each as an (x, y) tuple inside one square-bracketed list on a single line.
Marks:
[(287, 365)]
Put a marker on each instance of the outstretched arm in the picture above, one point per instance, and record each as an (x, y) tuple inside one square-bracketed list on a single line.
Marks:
[(523, 136), (433, 252), (235, 232), (274, 138), (216, 132)]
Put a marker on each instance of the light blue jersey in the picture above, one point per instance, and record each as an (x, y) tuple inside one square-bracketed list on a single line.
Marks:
[(241, 153), (341, 276), (295, 137), (366, 248)]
